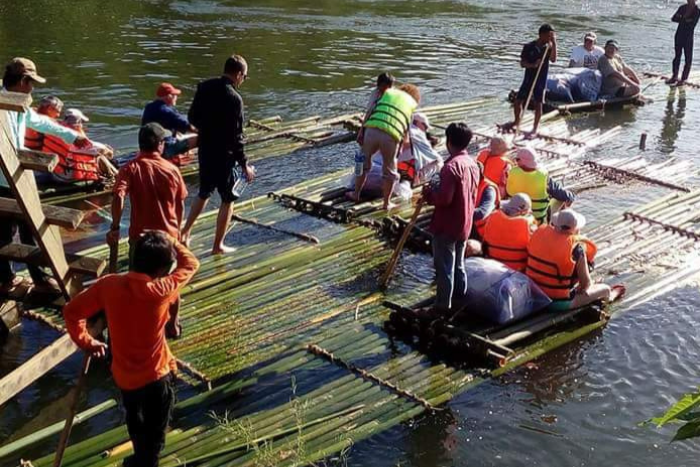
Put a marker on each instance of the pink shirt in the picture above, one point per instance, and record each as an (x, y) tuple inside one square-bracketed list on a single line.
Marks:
[(454, 197)]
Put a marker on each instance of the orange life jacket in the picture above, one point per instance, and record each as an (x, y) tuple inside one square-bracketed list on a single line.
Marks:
[(73, 165), (506, 239), (407, 170), (550, 263), (483, 184), (495, 168), (33, 139)]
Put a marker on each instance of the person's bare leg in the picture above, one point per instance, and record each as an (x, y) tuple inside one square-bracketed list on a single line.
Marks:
[(538, 116), (517, 112), (223, 220), (387, 190), (195, 210), (594, 293), (359, 183)]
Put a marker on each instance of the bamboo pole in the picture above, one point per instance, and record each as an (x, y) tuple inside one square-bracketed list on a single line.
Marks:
[(65, 434), (391, 266)]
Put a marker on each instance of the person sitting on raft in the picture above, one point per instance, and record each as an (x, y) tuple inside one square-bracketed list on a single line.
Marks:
[(586, 55), (163, 112), (507, 232), (418, 161), (496, 162), (488, 200), (51, 106), (559, 262), (89, 163), (384, 131), (619, 80), (535, 182)]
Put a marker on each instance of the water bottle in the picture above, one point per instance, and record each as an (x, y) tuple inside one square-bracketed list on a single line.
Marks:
[(241, 184), (359, 162)]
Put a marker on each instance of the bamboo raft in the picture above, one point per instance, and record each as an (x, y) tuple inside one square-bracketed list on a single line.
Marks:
[(285, 312)]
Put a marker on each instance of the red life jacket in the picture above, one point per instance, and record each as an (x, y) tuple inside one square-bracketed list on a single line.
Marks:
[(33, 140), (73, 164), (506, 239)]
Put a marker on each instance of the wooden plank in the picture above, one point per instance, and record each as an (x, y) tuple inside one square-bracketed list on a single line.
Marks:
[(15, 101), (32, 255), (55, 215), (26, 193), (37, 161)]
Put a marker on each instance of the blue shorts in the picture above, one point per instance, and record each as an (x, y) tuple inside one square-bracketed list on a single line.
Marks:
[(175, 147)]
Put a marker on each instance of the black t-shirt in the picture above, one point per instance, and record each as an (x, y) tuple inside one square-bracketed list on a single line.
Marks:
[(533, 51), (686, 26)]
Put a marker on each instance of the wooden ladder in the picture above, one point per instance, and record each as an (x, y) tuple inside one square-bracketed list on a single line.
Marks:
[(17, 166)]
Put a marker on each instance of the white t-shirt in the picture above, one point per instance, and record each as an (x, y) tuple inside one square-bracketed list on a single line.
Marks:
[(583, 58)]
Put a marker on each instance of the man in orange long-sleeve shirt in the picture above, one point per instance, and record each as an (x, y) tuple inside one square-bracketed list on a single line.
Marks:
[(137, 308)]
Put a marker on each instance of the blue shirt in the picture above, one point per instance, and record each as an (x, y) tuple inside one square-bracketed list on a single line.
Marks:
[(166, 116)]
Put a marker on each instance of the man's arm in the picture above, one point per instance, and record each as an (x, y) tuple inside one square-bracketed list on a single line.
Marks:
[(44, 124), (76, 313), (487, 204), (553, 47), (678, 15), (582, 272), (178, 121), (187, 266), (557, 191), (607, 70), (630, 73)]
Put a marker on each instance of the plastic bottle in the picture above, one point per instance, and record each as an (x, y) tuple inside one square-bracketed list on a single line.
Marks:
[(359, 162)]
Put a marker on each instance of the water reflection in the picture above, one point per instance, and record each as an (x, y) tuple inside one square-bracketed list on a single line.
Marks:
[(672, 122)]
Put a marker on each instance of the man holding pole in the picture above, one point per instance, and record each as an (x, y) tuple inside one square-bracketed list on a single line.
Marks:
[(454, 197), (535, 58)]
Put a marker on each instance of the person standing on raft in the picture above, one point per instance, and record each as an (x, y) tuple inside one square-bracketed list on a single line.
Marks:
[(136, 306), (385, 130), (559, 261), (217, 112), (535, 58), (687, 17), (454, 196)]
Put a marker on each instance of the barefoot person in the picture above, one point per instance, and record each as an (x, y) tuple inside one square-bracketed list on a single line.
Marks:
[(454, 197), (157, 192), (217, 112), (21, 76), (384, 131), (619, 80), (559, 259), (136, 306), (538, 52), (687, 18)]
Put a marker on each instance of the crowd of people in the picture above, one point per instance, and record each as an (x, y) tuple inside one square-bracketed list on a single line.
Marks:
[(501, 203)]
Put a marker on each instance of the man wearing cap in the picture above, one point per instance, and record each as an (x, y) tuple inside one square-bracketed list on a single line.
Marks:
[(538, 52), (162, 111), (559, 260), (20, 76), (157, 192), (586, 55), (529, 178), (619, 80), (687, 17), (508, 230), (217, 112), (453, 196), (51, 106)]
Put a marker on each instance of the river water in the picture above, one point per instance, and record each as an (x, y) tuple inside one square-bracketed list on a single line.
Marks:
[(580, 405)]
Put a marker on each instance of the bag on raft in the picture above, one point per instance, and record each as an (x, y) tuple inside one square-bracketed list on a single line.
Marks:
[(500, 294)]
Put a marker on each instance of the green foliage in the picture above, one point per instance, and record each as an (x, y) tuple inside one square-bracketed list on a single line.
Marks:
[(682, 412)]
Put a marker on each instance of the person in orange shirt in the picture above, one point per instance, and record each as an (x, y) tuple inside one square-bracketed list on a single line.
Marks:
[(137, 305), (157, 192), (496, 162)]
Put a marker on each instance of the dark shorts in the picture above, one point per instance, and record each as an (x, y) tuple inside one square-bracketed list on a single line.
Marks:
[(621, 92), (175, 147), (537, 94), (221, 177)]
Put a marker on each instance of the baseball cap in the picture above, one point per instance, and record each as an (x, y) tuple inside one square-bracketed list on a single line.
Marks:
[(75, 115), (545, 28), (568, 220), (153, 130), (166, 88), (422, 118), (526, 158), (519, 203), (614, 43), (590, 35), (24, 67)]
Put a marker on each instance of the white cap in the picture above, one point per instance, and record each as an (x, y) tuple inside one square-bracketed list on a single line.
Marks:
[(519, 203), (568, 220), (526, 158), (75, 115), (422, 118)]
